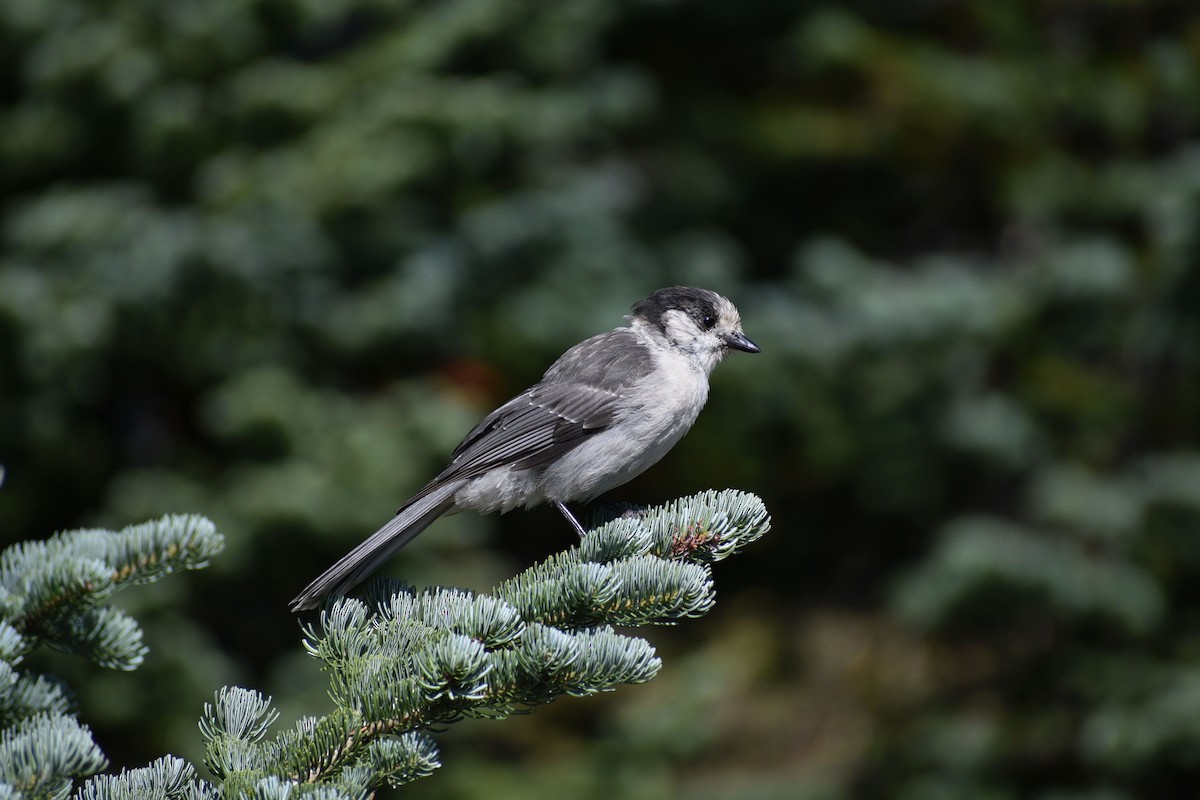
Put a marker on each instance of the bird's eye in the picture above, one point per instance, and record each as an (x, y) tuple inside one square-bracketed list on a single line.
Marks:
[(708, 321)]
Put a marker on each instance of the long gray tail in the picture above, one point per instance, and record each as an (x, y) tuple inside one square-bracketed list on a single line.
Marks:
[(360, 562)]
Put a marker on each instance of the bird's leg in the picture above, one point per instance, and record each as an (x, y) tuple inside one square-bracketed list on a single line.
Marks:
[(570, 518)]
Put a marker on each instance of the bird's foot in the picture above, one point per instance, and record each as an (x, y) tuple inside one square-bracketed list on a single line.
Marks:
[(606, 510)]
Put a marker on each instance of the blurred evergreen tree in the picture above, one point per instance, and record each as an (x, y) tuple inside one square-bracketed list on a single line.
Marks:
[(270, 259)]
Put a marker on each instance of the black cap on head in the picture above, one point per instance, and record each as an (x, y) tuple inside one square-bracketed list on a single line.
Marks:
[(696, 303)]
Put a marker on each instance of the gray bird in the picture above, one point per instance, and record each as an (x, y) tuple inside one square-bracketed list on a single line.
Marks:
[(605, 411)]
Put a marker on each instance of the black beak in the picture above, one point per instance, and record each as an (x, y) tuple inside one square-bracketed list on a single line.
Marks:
[(740, 341)]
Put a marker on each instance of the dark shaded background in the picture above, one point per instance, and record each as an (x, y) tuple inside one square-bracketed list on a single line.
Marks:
[(268, 260)]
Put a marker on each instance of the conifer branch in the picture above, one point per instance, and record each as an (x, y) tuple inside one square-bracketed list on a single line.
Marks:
[(51, 594), (403, 661)]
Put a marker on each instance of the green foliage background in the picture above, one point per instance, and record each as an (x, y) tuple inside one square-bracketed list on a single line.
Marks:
[(267, 260)]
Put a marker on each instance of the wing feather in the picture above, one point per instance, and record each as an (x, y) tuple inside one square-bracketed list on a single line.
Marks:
[(578, 397)]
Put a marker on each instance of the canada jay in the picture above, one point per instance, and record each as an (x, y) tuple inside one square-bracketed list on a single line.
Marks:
[(605, 411)]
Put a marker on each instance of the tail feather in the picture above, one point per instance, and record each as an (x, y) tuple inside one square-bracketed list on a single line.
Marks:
[(360, 562)]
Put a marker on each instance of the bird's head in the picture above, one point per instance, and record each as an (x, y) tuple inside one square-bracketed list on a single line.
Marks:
[(701, 323)]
